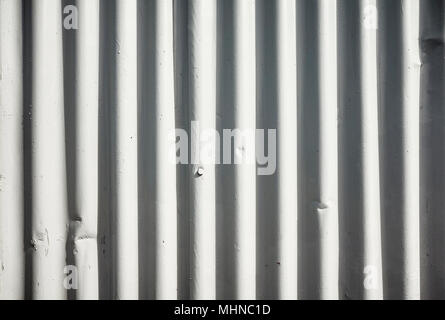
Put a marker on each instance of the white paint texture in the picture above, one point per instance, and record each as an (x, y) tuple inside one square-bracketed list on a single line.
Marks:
[(49, 191), (354, 210), (286, 34), (87, 119), (326, 204), (126, 186), (166, 228), (12, 262), (202, 84)]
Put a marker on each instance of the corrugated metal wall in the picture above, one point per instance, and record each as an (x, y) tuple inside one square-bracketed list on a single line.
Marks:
[(91, 207)]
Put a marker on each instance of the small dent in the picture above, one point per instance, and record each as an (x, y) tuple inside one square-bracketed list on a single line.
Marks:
[(200, 171), (320, 207)]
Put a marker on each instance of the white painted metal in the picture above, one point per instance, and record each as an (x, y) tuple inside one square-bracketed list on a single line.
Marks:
[(372, 261), (12, 262), (87, 113), (326, 207), (126, 222), (202, 104), (166, 229), (198, 82), (410, 126), (244, 106), (287, 148), (49, 193)]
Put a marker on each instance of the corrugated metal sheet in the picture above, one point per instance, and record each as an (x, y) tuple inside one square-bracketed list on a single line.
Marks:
[(92, 205)]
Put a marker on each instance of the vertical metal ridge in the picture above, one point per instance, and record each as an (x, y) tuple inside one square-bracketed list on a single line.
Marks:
[(166, 229), (202, 104), (50, 213), (126, 151), (287, 148), (87, 114), (326, 207), (245, 174), (400, 85), (12, 262), (372, 262), (432, 148), (410, 127)]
